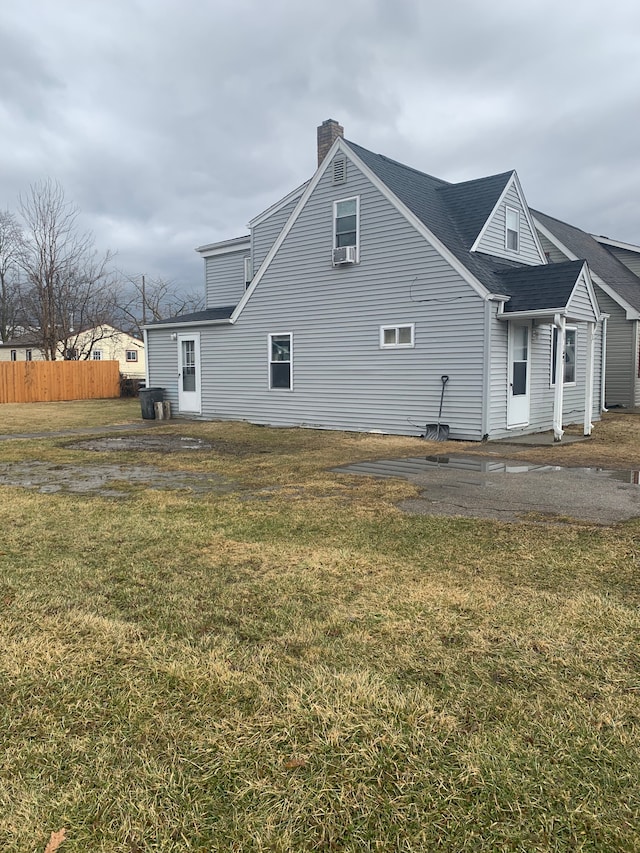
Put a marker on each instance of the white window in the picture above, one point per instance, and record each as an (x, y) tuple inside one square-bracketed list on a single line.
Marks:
[(568, 357), (512, 230), (96, 355), (132, 355), (346, 223), (29, 355), (281, 361), (14, 355), (395, 337)]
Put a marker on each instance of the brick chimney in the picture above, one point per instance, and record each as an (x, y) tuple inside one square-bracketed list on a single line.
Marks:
[(328, 132)]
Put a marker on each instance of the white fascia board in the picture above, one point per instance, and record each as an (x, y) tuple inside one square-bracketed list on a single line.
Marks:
[(501, 198), (238, 244), (529, 218), (278, 205), (586, 272), (341, 145), (420, 227), (514, 181), (631, 313), (189, 325), (532, 315), (311, 185), (617, 244)]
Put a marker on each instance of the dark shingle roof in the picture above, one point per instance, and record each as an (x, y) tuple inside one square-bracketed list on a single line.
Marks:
[(441, 207), (197, 317), (542, 288), (470, 203), (612, 271)]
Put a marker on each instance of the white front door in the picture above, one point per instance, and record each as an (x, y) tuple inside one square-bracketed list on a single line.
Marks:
[(519, 380), (189, 396)]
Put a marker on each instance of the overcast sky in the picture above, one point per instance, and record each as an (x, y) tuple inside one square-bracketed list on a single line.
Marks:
[(171, 123)]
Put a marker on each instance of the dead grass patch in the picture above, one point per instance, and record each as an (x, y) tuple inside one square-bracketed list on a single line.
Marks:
[(312, 671)]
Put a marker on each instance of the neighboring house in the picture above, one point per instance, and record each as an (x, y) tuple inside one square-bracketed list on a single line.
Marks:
[(354, 295), (618, 293), (103, 343)]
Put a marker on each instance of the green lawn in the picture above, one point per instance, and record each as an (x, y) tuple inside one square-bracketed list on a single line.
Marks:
[(300, 666)]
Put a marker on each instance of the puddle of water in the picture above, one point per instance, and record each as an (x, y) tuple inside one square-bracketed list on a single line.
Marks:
[(415, 466)]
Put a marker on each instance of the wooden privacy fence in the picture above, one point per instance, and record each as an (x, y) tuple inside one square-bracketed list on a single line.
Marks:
[(46, 381)]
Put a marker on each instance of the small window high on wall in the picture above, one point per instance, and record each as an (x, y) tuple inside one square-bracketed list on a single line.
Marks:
[(512, 234)]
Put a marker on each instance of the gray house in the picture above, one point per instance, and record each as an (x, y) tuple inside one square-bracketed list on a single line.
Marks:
[(354, 295), (612, 266)]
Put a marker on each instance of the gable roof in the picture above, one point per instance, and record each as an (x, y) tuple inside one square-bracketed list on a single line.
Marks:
[(439, 206), (471, 203), (610, 273), (547, 287)]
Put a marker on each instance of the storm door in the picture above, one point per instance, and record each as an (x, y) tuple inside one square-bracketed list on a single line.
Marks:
[(189, 396), (519, 380)]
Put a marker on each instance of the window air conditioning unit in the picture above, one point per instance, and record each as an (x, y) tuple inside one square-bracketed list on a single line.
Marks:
[(344, 255)]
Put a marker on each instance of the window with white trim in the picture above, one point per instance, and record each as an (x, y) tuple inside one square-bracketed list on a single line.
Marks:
[(29, 355), (248, 272), (131, 355), (14, 355), (346, 222), (512, 230), (568, 357), (397, 337), (281, 361), (96, 355)]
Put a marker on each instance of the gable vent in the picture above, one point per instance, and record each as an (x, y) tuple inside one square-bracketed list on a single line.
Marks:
[(339, 170)]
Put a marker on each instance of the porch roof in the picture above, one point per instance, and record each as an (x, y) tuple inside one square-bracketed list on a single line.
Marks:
[(545, 289)]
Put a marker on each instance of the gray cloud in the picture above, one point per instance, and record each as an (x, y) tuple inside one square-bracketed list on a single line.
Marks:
[(172, 123)]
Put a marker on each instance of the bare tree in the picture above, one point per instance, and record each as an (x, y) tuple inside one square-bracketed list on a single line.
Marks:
[(68, 287), (10, 247), (145, 300)]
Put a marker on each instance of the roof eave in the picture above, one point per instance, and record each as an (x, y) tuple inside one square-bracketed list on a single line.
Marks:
[(188, 324)]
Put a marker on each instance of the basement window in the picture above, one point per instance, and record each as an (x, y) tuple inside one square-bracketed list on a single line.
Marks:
[(397, 337)]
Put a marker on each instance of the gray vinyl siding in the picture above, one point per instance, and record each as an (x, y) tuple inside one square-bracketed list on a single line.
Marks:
[(636, 366), (224, 276), (493, 239), (579, 305), (621, 365), (342, 378), (264, 235), (162, 361), (631, 260), (555, 255)]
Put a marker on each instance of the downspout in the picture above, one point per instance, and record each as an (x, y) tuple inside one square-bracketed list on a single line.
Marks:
[(588, 389), (146, 358), (603, 368), (558, 432), (486, 391)]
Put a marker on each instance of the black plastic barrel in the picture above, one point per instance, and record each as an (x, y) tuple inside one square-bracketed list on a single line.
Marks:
[(148, 398)]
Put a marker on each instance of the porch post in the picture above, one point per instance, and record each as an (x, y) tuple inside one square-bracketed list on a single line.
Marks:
[(588, 385), (603, 366), (558, 432)]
